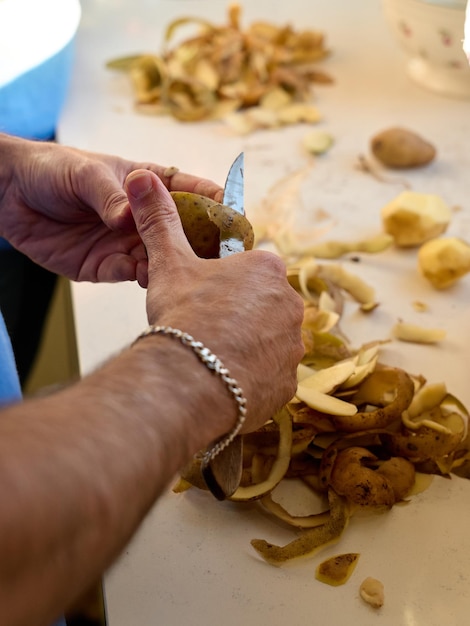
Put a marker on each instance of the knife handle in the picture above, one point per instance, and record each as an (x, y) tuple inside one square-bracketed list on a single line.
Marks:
[(222, 474)]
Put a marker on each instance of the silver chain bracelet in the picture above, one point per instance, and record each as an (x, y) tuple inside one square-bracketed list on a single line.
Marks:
[(214, 364)]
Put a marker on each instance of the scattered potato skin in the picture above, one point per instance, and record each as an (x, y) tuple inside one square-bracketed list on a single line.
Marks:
[(372, 592), (400, 148), (420, 307), (317, 142), (265, 78), (338, 569), (414, 333), (170, 171), (444, 261)]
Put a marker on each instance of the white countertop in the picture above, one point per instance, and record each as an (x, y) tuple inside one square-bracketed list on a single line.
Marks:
[(191, 562)]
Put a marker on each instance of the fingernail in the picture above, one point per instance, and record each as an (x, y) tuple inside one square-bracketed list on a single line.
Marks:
[(139, 184)]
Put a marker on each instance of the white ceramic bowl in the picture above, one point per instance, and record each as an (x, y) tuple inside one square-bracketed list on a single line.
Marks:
[(36, 57), (431, 34)]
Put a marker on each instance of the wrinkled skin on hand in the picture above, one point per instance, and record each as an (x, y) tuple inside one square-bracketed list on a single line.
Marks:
[(67, 209), (242, 306), (74, 213)]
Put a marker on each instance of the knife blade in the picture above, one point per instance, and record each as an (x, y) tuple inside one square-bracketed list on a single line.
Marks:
[(234, 197), (223, 473), (234, 191)]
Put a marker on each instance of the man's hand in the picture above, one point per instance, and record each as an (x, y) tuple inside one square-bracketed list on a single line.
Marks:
[(242, 306), (67, 209)]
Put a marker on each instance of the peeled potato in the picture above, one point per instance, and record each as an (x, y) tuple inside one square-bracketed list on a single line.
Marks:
[(412, 218), (401, 148), (444, 261), (206, 222)]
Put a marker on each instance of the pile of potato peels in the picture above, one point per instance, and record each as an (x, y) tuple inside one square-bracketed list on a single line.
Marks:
[(258, 77), (357, 431)]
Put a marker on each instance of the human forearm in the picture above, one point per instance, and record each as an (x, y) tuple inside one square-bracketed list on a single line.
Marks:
[(79, 469), (81, 477)]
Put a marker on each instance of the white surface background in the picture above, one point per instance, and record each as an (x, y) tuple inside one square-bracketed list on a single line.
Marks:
[(191, 563)]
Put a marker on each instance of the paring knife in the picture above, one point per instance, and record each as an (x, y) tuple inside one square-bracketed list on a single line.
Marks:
[(234, 197), (223, 473)]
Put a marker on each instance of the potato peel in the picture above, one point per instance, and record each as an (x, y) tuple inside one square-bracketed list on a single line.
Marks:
[(305, 521), (328, 379), (225, 68), (338, 569), (280, 466), (354, 476), (313, 277), (355, 286), (336, 249), (310, 541), (390, 390), (433, 427), (415, 333), (365, 457)]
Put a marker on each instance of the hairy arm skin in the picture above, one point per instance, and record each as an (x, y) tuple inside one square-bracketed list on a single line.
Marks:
[(80, 468), (83, 466)]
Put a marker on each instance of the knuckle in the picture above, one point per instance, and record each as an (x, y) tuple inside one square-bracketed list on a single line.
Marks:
[(113, 202), (276, 264), (290, 387)]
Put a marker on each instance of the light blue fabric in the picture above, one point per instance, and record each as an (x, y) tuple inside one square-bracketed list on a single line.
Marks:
[(10, 389), (31, 104)]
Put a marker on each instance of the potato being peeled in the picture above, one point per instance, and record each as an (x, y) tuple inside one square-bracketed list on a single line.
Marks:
[(206, 222)]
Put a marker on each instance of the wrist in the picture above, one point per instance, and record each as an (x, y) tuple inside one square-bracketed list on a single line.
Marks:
[(174, 404), (199, 393), (212, 362)]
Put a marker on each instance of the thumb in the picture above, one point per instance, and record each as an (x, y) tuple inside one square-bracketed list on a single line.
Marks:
[(156, 217)]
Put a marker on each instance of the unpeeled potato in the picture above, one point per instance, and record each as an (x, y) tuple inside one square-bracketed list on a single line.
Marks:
[(205, 222), (401, 148)]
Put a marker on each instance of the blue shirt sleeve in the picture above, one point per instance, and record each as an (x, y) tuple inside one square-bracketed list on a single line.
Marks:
[(10, 390), (4, 245)]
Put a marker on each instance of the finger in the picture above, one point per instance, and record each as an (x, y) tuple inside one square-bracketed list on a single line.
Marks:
[(204, 187), (96, 184), (194, 184), (156, 217)]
